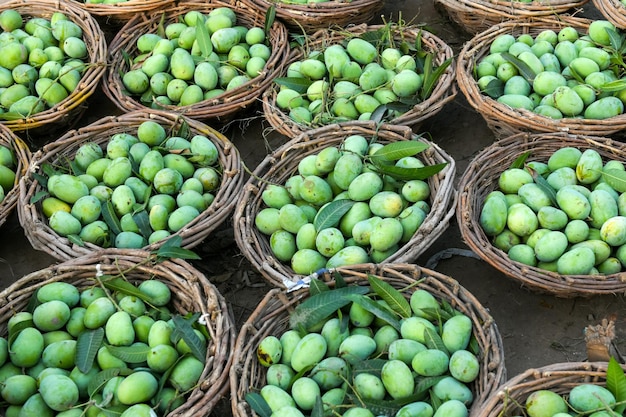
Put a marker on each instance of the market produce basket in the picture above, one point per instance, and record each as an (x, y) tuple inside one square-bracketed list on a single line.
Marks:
[(481, 177), (502, 119), (284, 162), (475, 16), (220, 108), (70, 109), (21, 161), (191, 293), (412, 115), (60, 153), (118, 13), (272, 318), (309, 17), (559, 378), (613, 10)]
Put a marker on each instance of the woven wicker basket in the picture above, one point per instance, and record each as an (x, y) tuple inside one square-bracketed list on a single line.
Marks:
[(191, 292), (312, 16), (121, 12), (219, 109), (22, 156), (559, 377), (504, 120), (613, 10), (481, 177), (43, 238), (271, 317), (283, 163), (69, 110), (444, 91), (475, 16)]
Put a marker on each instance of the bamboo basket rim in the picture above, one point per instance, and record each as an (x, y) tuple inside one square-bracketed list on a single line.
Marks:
[(613, 10), (271, 317), (559, 377), (190, 290), (311, 17), (504, 120), (281, 163), (480, 177), (122, 11), (444, 92), (43, 238), (222, 108), (72, 107), (23, 156)]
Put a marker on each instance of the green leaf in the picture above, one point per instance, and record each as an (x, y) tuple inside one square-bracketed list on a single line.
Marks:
[(38, 197), (76, 240), (113, 410), (616, 383), (422, 385), (616, 178), (494, 88), (379, 113), (180, 253), (433, 340), (184, 329), (270, 17), (545, 187), (435, 314), (130, 354), (110, 218), (117, 284), (295, 83), (522, 67), (204, 40), (391, 296), (375, 308), (97, 382), (520, 160), (161, 27), (387, 408), (398, 150), (317, 286), (318, 307), (87, 345), (142, 220), (318, 407), (11, 115), (17, 328), (431, 81), (406, 174), (258, 404), (330, 214), (369, 366), (614, 86), (615, 38)]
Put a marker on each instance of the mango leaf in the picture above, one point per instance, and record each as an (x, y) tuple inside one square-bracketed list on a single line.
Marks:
[(473, 346), (616, 39), (616, 383), (422, 385), (435, 314), (183, 329), (431, 81), (130, 354), (110, 218), (435, 401), (405, 174), (616, 178), (317, 286), (171, 249), (76, 240), (494, 88), (391, 296), (545, 187), (379, 113), (298, 84), (87, 345), (330, 214), (97, 382), (432, 340), (375, 308), (522, 67), (147, 96), (161, 27), (613, 86), (142, 220), (204, 41), (16, 329), (117, 284), (75, 168), (318, 307), (576, 75), (270, 17), (520, 160), (398, 150), (11, 115), (318, 407), (113, 410), (339, 281), (258, 404), (369, 366)]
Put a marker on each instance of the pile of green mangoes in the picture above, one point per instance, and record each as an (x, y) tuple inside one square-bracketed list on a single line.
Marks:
[(557, 75), (359, 363), (583, 399), (565, 215), (350, 80), (385, 213), (138, 190), (8, 165), (41, 61), (89, 351), (198, 58)]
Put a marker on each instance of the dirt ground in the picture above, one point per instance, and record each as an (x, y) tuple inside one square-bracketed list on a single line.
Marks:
[(537, 329)]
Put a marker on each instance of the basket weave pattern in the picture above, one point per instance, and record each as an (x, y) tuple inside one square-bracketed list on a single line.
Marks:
[(504, 120), (191, 292), (43, 238), (23, 157), (444, 91), (613, 10), (271, 317), (481, 177), (221, 108), (283, 163), (121, 12)]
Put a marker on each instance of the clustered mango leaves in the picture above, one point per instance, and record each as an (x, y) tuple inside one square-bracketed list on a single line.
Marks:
[(383, 38), (324, 302), (90, 340), (382, 161)]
